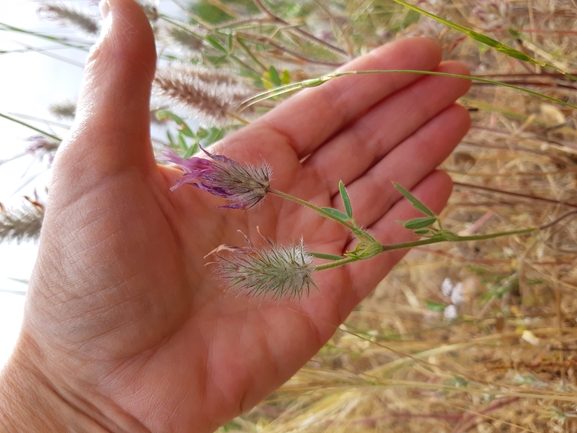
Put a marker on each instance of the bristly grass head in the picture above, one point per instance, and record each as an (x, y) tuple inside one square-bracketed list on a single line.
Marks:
[(210, 94), (245, 185), (23, 223), (283, 272), (69, 16), (42, 146)]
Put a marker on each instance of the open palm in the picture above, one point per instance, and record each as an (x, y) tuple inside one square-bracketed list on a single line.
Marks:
[(125, 319)]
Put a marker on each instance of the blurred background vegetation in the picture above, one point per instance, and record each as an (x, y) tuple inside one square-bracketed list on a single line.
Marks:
[(468, 337)]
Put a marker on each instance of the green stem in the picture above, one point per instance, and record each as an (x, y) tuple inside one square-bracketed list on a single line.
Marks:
[(354, 229), (497, 235), (250, 53), (421, 242), (56, 39), (336, 263), (313, 207), (5, 116), (313, 82)]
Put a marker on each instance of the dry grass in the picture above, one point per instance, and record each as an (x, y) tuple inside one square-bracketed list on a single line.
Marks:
[(508, 362)]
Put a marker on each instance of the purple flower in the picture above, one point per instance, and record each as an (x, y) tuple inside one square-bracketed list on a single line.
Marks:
[(221, 176)]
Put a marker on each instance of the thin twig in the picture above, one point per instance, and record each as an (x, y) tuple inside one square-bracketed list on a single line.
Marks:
[(298, 30), (515, 194)]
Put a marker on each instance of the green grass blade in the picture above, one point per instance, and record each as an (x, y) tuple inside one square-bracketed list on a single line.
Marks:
[(499, 46), (27, 125)]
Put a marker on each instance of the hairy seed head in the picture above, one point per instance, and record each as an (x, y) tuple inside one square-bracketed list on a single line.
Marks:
[(63, 110), (210, 94), (70, 16), (42, 146), (278, 271), (23, 223)]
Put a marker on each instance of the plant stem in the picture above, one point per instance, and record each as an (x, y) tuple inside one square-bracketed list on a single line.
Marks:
[(5, 116), (336, 263), (421, 242), (313, 82), (356, 230), (313, 207)]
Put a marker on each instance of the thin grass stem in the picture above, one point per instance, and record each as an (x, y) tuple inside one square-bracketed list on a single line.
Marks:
[(47, 134), (313, 82)]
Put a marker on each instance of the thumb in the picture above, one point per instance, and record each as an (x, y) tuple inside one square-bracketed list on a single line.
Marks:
[(112, 128)]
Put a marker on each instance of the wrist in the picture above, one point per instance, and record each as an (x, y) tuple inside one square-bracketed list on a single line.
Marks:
[(33, 401), (28, 402)]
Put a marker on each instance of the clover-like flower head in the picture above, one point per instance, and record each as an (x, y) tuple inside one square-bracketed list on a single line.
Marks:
[(245, 185), (278, 271)]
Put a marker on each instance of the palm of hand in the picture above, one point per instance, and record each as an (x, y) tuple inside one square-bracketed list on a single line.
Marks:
[(121, 294)]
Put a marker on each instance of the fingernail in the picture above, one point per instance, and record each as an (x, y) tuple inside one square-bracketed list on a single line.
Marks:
[(104, 7)]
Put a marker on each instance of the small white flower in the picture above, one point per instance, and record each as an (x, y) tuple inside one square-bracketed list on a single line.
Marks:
[(447, 287), (457, 294), (451, 312)]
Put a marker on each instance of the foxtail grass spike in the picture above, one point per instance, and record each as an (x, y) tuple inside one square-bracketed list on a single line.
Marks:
[(69, 16), (22, 223), (209, 94)]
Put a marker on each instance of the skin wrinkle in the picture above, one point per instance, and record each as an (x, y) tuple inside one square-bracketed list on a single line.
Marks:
[(398, 110), (374, 179)]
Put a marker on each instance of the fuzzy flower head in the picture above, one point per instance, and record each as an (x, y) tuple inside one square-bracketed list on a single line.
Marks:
[(279, 271), (210, 94), (245, 185), (70, 16)]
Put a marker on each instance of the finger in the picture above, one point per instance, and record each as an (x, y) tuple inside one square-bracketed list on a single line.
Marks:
[(434, 192), (308, 119), (112, 127), (373, 194), (376, 133)]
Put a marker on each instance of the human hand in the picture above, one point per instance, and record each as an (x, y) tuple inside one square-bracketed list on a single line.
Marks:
[(125, 327)]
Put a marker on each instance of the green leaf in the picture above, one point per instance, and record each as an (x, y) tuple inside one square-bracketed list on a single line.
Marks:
[(450, 236), (182, 142), (182, 126), (419, 223), (170, 139), (209, 13), (230, 40), (416, 203), (435, 306), (214, 134), (326, 256), (335, 213), (346, 199), (216, 44), (274, 77), (191, 151), (422, 231), (286, 77), (202, 132)]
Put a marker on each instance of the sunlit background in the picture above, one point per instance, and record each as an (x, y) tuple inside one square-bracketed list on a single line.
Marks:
[(33, 74)]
